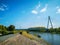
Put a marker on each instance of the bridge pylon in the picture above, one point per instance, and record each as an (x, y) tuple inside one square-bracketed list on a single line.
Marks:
[(49, 22)]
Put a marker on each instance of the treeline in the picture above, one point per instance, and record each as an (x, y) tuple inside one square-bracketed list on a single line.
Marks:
[(37, 29), (43, 29), (6, 30), (11, 30)]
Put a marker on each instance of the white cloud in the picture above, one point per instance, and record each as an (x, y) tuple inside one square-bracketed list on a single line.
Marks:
[(57, 7), (34, 12), (18, 25), (38, 6), (44, 9), (37, 9), (3, 7), (58, 10)]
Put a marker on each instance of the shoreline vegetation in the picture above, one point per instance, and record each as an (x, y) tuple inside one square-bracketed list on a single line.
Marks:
[(11, 30)]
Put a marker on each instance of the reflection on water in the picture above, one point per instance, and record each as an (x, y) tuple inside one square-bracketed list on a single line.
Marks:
[(53, 39)]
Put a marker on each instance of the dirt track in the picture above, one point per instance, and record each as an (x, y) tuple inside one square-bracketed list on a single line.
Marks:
[(22, 40)]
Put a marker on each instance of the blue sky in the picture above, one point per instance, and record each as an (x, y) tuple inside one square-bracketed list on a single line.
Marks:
[(29, 13)]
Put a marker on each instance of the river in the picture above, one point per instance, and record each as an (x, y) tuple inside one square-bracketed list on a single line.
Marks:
[(53, 39)]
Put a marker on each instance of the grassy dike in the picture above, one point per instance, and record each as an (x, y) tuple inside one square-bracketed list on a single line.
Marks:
[(35, 38), (24, 39)]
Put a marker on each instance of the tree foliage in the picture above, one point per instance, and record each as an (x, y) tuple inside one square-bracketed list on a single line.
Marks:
[(11, 28), (3, 29), (7, 30)]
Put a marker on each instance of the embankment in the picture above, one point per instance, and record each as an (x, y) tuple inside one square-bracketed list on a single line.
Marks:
[(22, 40)]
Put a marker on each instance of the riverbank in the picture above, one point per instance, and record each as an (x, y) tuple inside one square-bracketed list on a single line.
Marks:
[(53, 39), (19, 39)]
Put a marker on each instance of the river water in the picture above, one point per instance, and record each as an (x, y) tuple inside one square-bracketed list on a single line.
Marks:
[(53, 39)]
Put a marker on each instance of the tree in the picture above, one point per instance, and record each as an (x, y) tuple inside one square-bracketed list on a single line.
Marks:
[(0, 27), (51, 30), (11, 28), (3, 30)]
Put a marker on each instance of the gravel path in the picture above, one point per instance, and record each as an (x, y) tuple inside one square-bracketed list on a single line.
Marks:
[(2, 38), (22, 40)]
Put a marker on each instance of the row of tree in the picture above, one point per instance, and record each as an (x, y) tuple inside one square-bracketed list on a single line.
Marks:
[(43, 29), (5, 30), (11, 29)]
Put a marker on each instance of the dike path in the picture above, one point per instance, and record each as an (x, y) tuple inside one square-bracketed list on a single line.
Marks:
[(18, 39)]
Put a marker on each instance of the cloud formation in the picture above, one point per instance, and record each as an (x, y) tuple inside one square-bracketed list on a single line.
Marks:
[(38, 6), (37, 9), (34, 12), (3, 7), (43, 9), (57, 7), (58, 10)]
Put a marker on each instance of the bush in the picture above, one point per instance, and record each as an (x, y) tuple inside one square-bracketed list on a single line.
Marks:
[(4, 32)]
